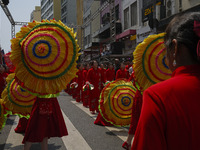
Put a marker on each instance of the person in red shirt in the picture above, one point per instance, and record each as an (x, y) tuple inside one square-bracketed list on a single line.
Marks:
[(94, 78), (169, 117), (122, 72), (80, 82), (136, 110), (85, 93), (110, 73), (103, 75)]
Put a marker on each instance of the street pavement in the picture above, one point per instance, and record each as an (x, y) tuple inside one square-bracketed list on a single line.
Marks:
[(83, 133)]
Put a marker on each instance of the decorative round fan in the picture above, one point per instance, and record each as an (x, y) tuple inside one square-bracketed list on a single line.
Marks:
[(45, 55), (116, 101), (16, 100), (150, 61), (3, 118)]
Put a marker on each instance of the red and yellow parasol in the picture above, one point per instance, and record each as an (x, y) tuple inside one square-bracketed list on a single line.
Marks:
[(45, 55), (116, 101), (149, 61), (15, 99)]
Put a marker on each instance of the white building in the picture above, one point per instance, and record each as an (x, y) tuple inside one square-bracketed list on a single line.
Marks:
[(51, 9), (68, 12)]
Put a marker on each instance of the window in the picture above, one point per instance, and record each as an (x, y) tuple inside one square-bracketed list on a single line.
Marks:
[(64, 9), (117, 12), (64, 20), (134, 14), (89, 39), (126, 18)]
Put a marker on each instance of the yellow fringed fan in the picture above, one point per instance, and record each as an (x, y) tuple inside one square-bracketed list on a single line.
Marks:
[(116, 102), (2, 115), (15, 99), (149, 61), (45, 54)]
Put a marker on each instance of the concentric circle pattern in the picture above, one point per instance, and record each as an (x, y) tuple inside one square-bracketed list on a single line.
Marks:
[(16, 100), (45, 55), (116, 101), (150, 61)]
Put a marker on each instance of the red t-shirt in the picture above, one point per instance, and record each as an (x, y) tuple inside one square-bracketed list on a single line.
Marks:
[(122, 74), (110, 75), (169, 118)]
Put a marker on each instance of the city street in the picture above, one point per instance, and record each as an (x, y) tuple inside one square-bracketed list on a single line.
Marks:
[(83, 133)]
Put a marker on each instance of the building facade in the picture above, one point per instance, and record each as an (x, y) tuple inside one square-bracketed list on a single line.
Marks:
[(79, 18), (51, 9), (36, 14), (69, 12)]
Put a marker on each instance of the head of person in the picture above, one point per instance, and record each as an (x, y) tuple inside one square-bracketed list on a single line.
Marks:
[(87, 66), (81, 67), (102, 66), (117, 61), (110, 66), (123, 66), (94, 64), (182, 40), (127, 62)]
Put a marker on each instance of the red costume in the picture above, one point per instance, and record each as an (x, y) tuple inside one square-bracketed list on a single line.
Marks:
[(85, 93), (169, 118), (73, 90), (110, 75), (80, 82), (101, 121), (136, 110), (122, 74), (22, 124), (46, 120), (103, 77), (94, 77)]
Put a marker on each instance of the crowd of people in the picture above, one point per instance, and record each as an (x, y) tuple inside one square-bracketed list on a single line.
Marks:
[(170, 111), (96, 75)]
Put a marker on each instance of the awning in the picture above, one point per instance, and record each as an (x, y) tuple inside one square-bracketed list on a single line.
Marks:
[(125, 34)]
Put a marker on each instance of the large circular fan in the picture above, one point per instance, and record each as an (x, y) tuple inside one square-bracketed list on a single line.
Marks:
[(16, 100), (2, 115), (116, 101), (45, 55), (150, 61)]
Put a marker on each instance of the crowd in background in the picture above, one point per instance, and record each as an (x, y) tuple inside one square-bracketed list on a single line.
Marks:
[(96, 75)]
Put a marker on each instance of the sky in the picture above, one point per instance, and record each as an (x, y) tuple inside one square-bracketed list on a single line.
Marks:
[(20, 11)]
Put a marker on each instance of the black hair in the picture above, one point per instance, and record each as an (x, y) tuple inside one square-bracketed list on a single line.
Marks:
[(92, 62), (181, 28)]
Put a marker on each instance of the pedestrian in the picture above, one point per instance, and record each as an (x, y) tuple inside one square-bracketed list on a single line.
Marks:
[(117, 65), (136, 110), (94, 78), (169, 118), (86, 92), (80, 82), (45, 121), (103, 75), (110, 73), (122, 72)]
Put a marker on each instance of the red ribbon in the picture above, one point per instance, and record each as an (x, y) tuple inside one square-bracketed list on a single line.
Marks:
[(197, 32)]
